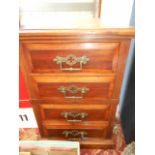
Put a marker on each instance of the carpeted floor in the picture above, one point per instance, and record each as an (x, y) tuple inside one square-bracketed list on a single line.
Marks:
[(33, 134)]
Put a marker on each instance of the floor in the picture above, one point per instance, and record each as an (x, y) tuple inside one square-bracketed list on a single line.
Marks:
[(33, 134)]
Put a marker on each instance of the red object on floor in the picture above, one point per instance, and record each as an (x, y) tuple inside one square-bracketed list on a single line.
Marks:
[(23, 94)]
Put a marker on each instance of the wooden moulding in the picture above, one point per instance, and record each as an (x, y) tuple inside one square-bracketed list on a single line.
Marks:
[(78, 34)]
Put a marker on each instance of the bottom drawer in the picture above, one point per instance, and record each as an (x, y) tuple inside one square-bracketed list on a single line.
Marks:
[(76, 134)]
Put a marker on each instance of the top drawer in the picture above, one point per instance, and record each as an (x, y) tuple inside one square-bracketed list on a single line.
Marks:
[(71, 57)]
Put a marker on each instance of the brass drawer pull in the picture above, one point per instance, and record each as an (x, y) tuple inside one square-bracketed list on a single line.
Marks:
[(73, 90), (71, 60), (75, 134), (74, 115)]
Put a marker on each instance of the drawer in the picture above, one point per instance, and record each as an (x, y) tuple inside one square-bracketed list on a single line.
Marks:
[(75, 113), (71, 57), (73, 87), (77, 134)]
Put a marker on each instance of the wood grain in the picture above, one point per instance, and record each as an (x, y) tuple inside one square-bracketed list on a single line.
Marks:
[(102, 56), (55, 111), (107, 49)]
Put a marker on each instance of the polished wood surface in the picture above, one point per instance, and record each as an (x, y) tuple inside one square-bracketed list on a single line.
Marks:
[(91, 133), (76, 34), (91, 111), (102, 56), (99, 87), (56, 112)]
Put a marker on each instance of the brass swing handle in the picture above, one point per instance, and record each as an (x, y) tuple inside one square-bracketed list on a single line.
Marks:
[(74, 115), (75, 134), (70, 61), (73, 90)]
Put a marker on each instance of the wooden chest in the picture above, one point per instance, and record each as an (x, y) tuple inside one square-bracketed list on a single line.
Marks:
[(74, 79)]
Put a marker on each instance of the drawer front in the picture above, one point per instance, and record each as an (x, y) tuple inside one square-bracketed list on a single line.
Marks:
[(76, 134), (75, 88), (74, 113), (75, 57)]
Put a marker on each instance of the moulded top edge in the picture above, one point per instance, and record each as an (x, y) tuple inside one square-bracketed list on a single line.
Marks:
[(105, 32)]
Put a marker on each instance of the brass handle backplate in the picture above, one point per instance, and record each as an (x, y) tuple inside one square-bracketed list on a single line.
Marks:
[(71, 60), (75, 134), (73, 90), (74, 116)]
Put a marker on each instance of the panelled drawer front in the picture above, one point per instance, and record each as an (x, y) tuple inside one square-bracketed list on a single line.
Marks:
[(68, 57), (77, 134), (74, 113), (94, 90), (75, 88)]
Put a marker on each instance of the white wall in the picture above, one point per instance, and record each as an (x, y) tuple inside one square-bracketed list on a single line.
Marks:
[(116, 13)]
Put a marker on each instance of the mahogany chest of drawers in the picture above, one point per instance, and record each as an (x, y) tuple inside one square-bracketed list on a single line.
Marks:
[(74, 79)]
